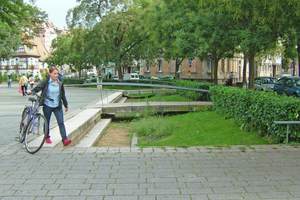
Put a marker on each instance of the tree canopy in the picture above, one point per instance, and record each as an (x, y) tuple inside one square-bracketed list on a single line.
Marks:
[(18, 23)]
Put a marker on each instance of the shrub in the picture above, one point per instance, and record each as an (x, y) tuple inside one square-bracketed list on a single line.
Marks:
[(257, 110), (197, 96), (73, 81)]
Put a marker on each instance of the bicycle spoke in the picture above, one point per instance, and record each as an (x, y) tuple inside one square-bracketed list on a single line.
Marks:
[(24, 122), (36, 133)]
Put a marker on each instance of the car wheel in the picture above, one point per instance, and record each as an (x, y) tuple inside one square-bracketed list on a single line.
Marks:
[(295, 95)]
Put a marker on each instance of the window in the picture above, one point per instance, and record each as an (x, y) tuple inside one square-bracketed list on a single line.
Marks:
[(159, 65), (257, 81), (288, 83), (21, 50), (148, 66), (280, 82), (297, 82)]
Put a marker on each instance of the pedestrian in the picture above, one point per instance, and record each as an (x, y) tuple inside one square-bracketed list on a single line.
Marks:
[(229, 81), (23, 83), (53, 88), (9, 81), (31, 81), (231, 75)]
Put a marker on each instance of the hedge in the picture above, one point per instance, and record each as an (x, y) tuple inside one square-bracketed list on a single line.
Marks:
[(258, 110), (197, 96)]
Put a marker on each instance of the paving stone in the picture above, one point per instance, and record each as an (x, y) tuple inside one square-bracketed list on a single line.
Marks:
[(163, 191), (224, 196), (172, 197), (275, 195), (121, 198), (96, 192), (130, 192)]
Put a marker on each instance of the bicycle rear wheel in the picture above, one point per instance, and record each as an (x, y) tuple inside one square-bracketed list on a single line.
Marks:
[(24, 122), (36, 133)]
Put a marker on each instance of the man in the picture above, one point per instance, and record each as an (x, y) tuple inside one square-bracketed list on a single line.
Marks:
[(23, 83)]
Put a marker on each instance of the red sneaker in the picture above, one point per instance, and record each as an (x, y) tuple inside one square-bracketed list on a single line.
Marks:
[(67, 142), (48, 141)]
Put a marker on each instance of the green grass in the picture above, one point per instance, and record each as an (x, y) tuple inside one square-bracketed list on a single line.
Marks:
[(158, 97), (193, 129)]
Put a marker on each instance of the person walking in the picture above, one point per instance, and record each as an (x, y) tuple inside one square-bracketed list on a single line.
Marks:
[(23, 83), (31, 81), (53, 88), (9, 81)]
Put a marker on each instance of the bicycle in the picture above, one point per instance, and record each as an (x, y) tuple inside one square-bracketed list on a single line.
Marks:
[(33, 126)]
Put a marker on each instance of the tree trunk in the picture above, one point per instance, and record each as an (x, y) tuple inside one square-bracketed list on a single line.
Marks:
[(245, 69), (118, 67), (178, 61), (298, 50), (215, 63), (294, 66), (251, 69)]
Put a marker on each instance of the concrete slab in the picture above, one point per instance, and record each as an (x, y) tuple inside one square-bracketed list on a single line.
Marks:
[(111, 98), (94, 134), (75, 126)]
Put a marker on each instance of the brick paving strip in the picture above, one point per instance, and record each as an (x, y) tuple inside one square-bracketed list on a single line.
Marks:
[(241, 172)]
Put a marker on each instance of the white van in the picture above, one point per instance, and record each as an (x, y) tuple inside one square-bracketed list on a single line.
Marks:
[(131, 76)]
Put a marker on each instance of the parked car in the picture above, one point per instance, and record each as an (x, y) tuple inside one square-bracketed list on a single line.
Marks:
[(167, 77), (289, 85), (144, 77), (131, 76), (264, 83), (154, 78), (93, 77), (71, 75)]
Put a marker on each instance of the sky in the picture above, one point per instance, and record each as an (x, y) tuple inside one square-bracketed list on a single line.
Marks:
[(56, 10)]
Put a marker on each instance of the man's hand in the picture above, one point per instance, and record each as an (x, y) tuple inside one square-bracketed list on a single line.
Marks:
[(28, 91), (67, 109)]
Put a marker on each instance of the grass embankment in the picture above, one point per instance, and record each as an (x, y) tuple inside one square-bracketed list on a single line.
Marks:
[(193, 129)]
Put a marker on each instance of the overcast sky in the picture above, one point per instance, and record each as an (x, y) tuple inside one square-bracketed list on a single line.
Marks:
[(56, 10)]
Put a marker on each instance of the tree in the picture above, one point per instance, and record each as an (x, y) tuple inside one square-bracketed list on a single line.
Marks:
[(257, 25), (290, 30), (215, 33), (169, 22), (115, 27), (18, 23), (70, 49), (61, 50)]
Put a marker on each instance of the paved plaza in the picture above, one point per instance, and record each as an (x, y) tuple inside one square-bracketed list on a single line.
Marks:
[(109, 173)]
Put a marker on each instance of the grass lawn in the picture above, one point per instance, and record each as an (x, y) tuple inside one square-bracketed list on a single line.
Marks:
[(193, 129)]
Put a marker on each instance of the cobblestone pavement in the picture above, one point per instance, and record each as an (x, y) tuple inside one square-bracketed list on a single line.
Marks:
[(241, 172)]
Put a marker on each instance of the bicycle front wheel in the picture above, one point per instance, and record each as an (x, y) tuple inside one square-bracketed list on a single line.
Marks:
[(24, 122), (36, 133)]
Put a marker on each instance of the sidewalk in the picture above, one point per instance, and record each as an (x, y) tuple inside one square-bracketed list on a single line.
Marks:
[(196, 173)]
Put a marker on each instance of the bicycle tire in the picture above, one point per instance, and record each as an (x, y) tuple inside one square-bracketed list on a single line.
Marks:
[(24, 122), (36, 133)]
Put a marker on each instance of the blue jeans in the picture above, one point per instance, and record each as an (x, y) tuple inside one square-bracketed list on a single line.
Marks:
[(59, 114)]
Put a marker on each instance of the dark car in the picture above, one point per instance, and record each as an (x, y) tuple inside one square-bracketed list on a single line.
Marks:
[(288, 85), (167, 77), (264, 83)]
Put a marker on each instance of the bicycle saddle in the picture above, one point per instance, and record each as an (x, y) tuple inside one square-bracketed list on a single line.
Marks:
[(32, 99)]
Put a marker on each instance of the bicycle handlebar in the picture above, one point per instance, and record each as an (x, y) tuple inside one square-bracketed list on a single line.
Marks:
[(40, 97)]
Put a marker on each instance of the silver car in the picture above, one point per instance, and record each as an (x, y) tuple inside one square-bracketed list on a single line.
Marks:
[(264, 83)]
